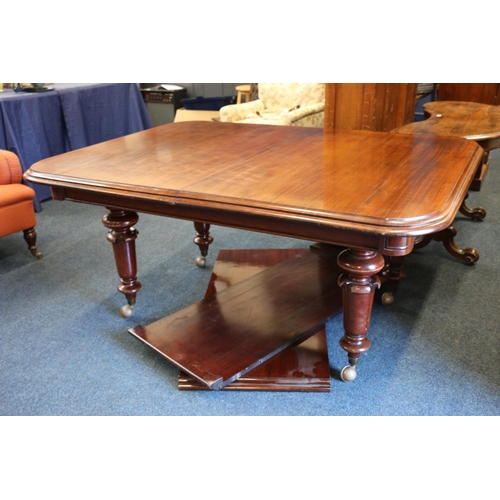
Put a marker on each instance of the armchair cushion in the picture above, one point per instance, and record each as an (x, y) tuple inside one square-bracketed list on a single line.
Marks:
[(14, 193)]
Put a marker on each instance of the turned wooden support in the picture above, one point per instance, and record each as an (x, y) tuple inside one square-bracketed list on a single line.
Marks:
[(203, 238), (392, 273), (122, 235), (30, 238), (358, 288)]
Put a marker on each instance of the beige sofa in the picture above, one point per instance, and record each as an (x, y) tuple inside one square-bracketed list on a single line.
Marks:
[(297, 104)]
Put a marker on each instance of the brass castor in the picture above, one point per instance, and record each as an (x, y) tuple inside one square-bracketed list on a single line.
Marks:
[(201, 261), (387, 298), (348, 373), (127, 311), (36, 253)]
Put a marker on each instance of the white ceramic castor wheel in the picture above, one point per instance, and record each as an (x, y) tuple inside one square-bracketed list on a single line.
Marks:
[(127, 311), (348, 373), (201, 261)]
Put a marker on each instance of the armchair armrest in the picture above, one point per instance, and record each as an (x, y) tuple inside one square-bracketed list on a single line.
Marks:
[(303, 111), (10, 168), (238, 112)]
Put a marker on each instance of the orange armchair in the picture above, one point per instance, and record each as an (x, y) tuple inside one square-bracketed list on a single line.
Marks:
[(16, 202)]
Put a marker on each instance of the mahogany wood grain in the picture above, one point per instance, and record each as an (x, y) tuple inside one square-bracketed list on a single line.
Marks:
[(302, 367), (225, 335), (369, 106)]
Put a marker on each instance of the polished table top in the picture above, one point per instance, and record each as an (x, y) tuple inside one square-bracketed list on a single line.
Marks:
[(306, 181)]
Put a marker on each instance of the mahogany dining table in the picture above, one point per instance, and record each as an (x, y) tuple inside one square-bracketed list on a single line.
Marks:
[(372, 193)]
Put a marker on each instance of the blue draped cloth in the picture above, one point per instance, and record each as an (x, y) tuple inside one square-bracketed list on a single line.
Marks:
[(38, 125)]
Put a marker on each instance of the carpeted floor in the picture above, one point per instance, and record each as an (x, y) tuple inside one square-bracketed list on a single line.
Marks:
[(65, 349)]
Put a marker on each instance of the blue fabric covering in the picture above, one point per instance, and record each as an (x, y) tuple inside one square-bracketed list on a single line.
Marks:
[(39, 125), (102, 112)]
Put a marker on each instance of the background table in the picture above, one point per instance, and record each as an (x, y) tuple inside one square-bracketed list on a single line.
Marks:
[(39, 125)]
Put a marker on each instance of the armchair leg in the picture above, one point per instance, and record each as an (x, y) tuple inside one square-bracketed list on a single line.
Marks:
[(30, 238)]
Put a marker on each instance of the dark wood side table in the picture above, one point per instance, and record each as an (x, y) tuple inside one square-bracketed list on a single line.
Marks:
[(372, 193)]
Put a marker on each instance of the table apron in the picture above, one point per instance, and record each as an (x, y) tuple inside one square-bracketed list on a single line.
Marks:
[(390, 245), (489, 144)]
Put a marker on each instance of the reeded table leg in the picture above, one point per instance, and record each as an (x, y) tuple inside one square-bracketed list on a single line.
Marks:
[(122, 235), (358, 288), (203, 240)]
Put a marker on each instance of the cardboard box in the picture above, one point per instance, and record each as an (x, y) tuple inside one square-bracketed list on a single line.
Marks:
[(187, 115)]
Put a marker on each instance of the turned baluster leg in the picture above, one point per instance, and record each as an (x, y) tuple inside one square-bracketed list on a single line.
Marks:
[(203, 240), (122, 235), (30, 238), (358, 288)]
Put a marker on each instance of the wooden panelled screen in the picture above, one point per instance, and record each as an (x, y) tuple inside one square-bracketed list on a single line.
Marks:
[(369, 106), (486, 93)]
